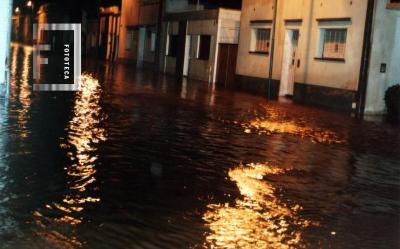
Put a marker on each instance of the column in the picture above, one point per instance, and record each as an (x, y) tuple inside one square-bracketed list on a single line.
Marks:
[(5, 31)]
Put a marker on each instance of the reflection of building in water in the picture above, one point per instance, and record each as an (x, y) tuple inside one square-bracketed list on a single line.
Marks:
[(84, 133), (259, 219)]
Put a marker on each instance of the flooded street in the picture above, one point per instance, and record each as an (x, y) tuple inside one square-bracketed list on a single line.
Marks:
[(137, 160)]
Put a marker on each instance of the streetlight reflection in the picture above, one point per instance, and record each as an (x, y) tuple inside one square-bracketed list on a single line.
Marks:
[(84, 133), (259, 219)]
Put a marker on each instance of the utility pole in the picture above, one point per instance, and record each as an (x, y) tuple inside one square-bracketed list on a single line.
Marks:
[(365, 59), (5, 37), (272, 51)]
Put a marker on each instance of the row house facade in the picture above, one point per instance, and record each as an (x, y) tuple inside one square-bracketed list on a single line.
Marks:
[(319, 51), (138, 31), (197, 37)]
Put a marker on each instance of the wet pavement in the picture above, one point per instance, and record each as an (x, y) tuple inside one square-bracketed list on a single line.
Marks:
[(137, 160)]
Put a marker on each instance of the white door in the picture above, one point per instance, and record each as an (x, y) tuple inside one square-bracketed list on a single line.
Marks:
[(186, 58), (290, 62)]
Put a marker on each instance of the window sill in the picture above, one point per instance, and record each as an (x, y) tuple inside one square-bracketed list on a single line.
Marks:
[(393, 6), (258, 52), (330, 59)]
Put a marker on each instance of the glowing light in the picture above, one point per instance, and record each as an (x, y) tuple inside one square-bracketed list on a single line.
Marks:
[(259, 219), (29, 3), (17, 10)]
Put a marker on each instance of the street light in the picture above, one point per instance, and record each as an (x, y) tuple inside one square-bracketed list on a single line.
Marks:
[(29, 4), (17, 10)]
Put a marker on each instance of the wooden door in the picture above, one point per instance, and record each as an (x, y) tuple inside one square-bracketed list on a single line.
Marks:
[(227, 56)]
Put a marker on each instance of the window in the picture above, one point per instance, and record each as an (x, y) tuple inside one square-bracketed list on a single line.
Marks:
[(261, 40), (172, 45), (334, 44), (204, 47), (129, 39)]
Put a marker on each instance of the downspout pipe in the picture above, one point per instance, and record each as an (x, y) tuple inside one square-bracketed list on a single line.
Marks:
[(271, 59), (365, 60)]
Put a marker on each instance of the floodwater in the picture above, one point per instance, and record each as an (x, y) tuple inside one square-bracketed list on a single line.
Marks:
[(140, 161)]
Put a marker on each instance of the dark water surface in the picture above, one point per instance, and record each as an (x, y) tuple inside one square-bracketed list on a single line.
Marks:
[(136, 161)]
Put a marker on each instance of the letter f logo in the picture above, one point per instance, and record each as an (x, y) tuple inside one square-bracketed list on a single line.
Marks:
[(37, 60)]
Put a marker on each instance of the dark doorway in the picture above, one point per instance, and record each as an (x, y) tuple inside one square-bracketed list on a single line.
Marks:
[(227, 64), (180, 50)]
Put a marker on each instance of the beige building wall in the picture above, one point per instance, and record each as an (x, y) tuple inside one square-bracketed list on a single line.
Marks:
[(139, 17), (149, 12), (343, 75), (129, 18), (255, 65), (203, 69)]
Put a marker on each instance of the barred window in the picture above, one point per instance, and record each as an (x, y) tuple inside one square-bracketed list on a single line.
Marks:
[(334, 45), (262, 40)]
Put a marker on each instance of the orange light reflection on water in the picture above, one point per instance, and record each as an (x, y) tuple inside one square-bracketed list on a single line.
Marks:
[(317, 135), (84, 133), (24, 95), (259, 219)]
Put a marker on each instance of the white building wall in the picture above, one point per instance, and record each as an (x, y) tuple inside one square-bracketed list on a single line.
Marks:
[(385, 49), (225, 29), (229, 26), (5, 31)]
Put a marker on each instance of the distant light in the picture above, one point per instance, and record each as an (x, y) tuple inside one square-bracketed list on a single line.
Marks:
[(29, 4), (17, 10)]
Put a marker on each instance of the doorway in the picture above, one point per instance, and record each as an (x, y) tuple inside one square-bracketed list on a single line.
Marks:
[(226, 64), (290, 62), (181, 47)]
